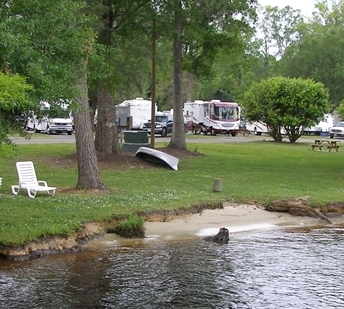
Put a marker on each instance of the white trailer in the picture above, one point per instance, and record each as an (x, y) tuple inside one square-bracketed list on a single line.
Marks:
[(59, 120), (139, 110), (257, 127), (323, 126), (214, 117)]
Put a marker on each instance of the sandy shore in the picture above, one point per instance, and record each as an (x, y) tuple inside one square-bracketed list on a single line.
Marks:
[(234, 217)]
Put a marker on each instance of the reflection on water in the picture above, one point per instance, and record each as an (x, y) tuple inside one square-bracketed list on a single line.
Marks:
[(267, 268)]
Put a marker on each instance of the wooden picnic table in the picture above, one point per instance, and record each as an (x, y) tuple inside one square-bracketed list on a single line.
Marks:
[(331, 144)]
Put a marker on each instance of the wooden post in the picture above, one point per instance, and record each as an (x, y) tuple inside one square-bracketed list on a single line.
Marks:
[(217, 186)]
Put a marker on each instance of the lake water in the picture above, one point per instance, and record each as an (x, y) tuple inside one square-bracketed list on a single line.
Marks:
[(265, 268)]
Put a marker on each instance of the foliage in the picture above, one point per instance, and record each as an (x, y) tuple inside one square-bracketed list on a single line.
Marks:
[(14, 98), (44, 41), (279, 28), (123, 49), (233, 72), (208, 26), (286, 104), (41, 47), (319, 54), (13, 92), (340, 109)]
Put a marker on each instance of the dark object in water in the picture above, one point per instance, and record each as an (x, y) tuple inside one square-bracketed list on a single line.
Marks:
[(158, 157), (221, 237)]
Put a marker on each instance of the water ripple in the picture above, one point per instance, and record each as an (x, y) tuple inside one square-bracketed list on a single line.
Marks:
[(266, 268)]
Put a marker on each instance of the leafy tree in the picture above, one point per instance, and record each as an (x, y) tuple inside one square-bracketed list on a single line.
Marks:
[(319, 54), (279, 28), (286, 104), (199, 29), (233, 72), (49, 43), (120, 67)]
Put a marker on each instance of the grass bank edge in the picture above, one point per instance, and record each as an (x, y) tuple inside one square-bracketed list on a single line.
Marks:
[(257, 172)]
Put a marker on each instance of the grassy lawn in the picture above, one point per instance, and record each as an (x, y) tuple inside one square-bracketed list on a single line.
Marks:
[(250, 171)]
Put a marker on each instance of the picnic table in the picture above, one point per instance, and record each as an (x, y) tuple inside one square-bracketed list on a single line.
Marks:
[(318, 143)]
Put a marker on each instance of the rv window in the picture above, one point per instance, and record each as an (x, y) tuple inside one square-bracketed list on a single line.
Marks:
[(226, 113)]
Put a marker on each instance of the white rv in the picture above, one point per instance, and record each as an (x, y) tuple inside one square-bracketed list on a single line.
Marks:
[(138, 109), (323, 126), (59, 120), (257, 127), (212, 117)]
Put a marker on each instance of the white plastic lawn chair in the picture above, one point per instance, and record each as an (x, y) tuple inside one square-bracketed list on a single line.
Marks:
[(28, 181)]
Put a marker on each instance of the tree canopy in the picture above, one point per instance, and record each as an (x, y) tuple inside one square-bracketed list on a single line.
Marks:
[(285, 105), (319, 52)]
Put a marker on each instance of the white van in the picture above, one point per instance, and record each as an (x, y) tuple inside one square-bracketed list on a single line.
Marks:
[(59, 121)]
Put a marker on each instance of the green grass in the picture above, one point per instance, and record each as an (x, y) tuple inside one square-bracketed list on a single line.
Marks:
[(250, 171)]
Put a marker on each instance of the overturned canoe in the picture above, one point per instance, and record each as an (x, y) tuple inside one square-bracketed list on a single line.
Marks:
[(158, 157)]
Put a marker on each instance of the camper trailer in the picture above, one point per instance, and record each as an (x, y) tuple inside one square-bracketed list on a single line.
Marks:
[(52, 119), (214, 117), (323, 126), (257, 127), (137, 111)]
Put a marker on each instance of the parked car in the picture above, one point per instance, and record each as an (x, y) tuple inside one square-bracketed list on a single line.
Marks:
[(21, 119), (337, 130), (163, 125), (55, 118)]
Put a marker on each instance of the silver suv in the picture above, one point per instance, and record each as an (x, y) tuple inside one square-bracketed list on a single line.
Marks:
[(337, 130)]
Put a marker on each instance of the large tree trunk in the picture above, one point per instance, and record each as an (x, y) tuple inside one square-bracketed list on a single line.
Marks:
[(88, 171), (106, 132), (93, 103), (178, 140), (190, 87)]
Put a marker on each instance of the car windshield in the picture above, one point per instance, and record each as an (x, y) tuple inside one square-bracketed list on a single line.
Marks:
[(161, 118), (340, 124)]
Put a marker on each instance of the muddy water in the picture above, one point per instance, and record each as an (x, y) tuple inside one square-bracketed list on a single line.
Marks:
[(265, 268)]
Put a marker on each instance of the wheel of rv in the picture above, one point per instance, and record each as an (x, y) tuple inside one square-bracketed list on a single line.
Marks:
[(48, 131), (233, 134), (256, 132), (193, 130), (212, 131), (163, 132), (70, 132)]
